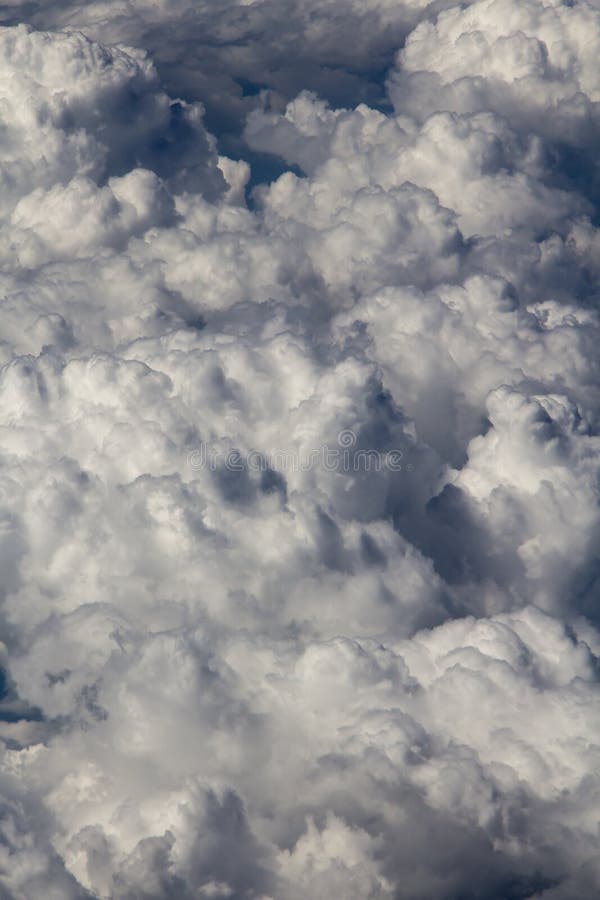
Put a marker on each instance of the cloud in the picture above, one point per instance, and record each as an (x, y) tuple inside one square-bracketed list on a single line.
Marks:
[(227, 53), (299, 504), (72, 107)]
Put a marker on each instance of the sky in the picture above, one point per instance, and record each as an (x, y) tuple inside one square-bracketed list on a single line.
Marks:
[(299, 450)]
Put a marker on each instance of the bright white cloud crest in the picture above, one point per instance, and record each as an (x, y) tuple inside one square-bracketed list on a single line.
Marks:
[(299, 478)]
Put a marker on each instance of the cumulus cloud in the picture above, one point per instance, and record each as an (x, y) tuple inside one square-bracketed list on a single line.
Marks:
[(226, 53), (299, 508)]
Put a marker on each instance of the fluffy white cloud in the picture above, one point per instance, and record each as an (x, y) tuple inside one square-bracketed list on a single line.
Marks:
[(71, 107), (225, 53), (526, 59), (299, 497)]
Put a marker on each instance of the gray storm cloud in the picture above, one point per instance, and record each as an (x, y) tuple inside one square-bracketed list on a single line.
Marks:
[(299, 472)]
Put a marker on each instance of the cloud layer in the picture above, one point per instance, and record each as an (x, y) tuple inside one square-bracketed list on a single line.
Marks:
[(243, 657)]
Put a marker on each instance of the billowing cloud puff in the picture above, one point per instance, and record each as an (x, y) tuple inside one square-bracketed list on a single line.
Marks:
[(226, 53), (71, 107), (299, 481), (529, 58)]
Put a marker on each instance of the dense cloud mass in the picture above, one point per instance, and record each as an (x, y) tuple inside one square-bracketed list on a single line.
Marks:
[(300, 450)]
